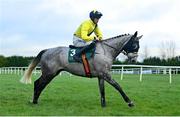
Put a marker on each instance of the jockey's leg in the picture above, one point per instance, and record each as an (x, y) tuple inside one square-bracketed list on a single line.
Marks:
[(77, 56)]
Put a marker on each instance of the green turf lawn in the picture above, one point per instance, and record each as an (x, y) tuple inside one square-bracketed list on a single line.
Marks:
[(74, 95)]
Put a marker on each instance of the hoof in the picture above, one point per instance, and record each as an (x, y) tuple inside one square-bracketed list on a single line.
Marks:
[(34, 102), (131, 104), (103, 105)]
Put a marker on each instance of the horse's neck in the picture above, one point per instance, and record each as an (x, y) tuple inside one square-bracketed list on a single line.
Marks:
[(115, 45)]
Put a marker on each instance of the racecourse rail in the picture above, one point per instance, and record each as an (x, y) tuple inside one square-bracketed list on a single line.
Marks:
[(116, 69)]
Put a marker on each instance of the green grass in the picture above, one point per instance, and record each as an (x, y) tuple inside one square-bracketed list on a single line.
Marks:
[(80, 96)]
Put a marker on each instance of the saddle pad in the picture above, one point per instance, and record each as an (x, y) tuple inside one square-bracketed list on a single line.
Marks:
[(72, 52)]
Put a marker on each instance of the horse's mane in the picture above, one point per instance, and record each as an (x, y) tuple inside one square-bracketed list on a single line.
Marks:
[(122, 35)]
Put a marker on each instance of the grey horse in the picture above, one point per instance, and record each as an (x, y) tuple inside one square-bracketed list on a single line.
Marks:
[(55, 60)]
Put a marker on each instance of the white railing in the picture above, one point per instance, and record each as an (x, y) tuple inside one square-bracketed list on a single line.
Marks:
[(17, 70), (118, 69), (146, 69), (21, 70)]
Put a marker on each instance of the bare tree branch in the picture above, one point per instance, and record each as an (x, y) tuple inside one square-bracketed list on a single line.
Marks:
[(145, 52), (167, 49)]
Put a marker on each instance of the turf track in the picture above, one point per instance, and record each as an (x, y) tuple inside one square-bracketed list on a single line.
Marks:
[(74, 95)]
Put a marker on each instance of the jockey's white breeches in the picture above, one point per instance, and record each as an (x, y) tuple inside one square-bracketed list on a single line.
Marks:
[(78, 42)]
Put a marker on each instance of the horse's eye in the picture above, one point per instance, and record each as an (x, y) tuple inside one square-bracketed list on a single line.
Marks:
[(134, 46)]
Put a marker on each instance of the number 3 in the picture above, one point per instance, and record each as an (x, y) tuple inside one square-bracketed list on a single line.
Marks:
[(73, 52)]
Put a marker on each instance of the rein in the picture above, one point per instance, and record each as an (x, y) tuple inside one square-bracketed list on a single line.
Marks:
[(110, 46)]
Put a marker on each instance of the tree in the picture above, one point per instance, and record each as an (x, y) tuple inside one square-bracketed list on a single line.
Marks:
[(167, 49), (145, 52), (152, 61), (170, 49), (3, 61), (162, 50), (18, 61)]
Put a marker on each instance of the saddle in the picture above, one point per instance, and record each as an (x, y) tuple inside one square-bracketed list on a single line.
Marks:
[(73, 50), (85, 57)]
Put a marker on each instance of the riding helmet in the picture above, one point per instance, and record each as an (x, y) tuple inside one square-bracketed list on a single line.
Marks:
[(95, 14)]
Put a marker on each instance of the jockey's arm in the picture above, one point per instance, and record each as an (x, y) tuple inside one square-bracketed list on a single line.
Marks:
[(98, 33)]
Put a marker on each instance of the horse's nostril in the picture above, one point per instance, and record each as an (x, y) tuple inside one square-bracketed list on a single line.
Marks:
[(133, 61)]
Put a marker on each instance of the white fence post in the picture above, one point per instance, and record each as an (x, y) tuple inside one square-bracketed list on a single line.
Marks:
[(140, 79), (170, 76), (122, 70)]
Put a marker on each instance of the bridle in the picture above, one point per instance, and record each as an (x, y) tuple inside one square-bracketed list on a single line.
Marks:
[(110, 46), (123, 51)]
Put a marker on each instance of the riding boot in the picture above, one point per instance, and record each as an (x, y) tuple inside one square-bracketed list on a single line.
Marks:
[(77, 56)]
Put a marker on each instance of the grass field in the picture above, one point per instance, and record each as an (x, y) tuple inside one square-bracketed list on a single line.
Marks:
[(80, 96)]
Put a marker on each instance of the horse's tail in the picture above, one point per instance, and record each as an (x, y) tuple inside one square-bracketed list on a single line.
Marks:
[(26, 79)]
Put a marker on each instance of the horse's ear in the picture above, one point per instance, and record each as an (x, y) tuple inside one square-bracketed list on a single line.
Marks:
[(135, 34), (139, 37)]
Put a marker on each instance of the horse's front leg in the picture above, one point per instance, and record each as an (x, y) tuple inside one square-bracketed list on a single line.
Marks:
[(111, 81), (102, 91)]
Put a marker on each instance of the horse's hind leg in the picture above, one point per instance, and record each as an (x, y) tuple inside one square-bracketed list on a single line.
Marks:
[(40, 84), (108, 78)]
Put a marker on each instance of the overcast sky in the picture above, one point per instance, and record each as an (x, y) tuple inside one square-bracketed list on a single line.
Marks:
[(28, 26)]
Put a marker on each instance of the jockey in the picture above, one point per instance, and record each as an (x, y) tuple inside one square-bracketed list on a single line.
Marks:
[(83, 38)]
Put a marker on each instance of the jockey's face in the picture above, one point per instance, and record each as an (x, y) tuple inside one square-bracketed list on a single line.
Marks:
[(96, 20)]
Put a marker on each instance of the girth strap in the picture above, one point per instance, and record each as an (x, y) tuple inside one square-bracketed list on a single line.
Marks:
[(86, 66)]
